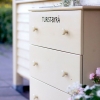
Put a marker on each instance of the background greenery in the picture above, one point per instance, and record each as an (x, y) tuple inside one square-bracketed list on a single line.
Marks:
[(6, 1), (6, 21)]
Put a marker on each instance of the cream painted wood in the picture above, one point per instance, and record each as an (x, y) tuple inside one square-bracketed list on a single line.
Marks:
[(23, 53), (23, 18), (65, 8), (51, 67), (52, 34), (23, 36), (45, 92), (17, 79), (24, 7), (23, 44), (23, 27), (23, 72), (91, 57), (54, 67), (23, 62)]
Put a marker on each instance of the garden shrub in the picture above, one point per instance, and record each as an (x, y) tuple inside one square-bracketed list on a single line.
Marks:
[(6, 25)]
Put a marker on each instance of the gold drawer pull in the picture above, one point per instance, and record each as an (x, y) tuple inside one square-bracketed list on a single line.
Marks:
[(35, 97), (35, 63), (35, 29), (64, 73), (65, 31)]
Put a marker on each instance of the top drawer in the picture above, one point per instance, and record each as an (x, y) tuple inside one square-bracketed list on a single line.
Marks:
[(59, 30)]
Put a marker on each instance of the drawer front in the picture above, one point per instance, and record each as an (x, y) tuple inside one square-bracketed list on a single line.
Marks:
[(63, 34), (56, 68), (45, 92)]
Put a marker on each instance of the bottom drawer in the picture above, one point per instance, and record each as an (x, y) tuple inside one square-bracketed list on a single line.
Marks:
[(42, 91)]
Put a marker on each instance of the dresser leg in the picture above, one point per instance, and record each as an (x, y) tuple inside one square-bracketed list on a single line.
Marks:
[(17, 82)]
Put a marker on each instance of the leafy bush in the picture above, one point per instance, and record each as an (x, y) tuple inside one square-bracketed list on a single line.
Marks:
[(5, 25)]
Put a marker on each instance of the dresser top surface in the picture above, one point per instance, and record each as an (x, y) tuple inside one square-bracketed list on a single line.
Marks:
[(65, 8)]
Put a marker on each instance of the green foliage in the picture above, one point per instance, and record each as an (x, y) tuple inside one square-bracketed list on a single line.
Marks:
[(6, 1), (88, 92), (6, 25), (92, 93)]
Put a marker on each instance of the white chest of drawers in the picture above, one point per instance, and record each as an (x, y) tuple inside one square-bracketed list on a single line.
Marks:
[(65, 48)]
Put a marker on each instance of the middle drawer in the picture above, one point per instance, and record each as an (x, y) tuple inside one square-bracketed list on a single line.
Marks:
[(58, 69)]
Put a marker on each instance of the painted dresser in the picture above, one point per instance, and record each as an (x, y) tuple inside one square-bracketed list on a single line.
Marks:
[(64, 48)]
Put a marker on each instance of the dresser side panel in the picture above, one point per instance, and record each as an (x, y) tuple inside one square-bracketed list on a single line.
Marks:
[(21, 35), (91, 57)]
